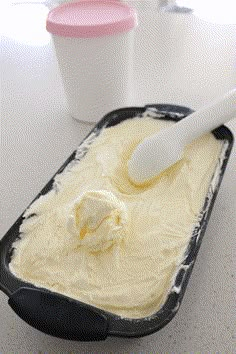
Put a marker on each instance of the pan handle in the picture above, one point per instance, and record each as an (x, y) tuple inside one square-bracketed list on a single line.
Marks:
[(58, 315)]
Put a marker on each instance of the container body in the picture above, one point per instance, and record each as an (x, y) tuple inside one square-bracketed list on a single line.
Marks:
[(67, 318), (96, 73)]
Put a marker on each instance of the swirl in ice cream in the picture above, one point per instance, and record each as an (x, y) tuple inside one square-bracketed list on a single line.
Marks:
[(98, 219)]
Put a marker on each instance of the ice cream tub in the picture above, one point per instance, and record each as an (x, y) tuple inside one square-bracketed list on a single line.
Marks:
[(63, 316)]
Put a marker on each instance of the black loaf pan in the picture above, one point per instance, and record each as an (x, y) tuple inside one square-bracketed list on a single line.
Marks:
[(64, 317)]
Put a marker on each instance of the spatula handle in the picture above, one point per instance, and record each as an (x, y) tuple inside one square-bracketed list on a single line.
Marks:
[(206, 119)]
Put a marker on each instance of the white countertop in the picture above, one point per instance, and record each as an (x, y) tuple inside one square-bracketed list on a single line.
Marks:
[(179, 59)]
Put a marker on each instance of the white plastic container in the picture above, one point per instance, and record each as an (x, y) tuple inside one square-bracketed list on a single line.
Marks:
[(94, 46)]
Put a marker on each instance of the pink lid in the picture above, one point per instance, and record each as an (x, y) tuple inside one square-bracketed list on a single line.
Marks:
[(91, 18)]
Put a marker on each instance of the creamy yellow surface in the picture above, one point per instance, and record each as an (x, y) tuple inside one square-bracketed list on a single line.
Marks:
[(98, 238)]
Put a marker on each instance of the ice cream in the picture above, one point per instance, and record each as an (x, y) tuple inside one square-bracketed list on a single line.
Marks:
[(99, 238)]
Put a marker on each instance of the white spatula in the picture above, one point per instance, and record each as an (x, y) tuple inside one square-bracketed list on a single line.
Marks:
[(154, 154)]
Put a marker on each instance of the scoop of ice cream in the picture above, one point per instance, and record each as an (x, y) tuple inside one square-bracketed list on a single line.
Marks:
[(98, 219)]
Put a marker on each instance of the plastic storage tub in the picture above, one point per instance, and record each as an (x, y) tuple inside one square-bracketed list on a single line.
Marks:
[(67, 318)]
